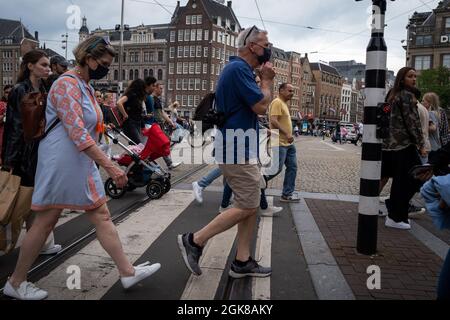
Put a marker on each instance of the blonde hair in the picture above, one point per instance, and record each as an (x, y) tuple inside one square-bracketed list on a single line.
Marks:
[(433, 99), (93, 47)]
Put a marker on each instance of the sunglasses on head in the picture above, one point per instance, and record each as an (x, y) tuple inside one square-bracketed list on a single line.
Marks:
[(249, 33), (103, 39)]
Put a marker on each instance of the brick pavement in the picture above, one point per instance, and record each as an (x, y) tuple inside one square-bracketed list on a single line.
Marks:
[(409, 270)]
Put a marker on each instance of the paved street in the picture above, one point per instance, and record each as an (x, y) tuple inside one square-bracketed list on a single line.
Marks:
[(323, 167)]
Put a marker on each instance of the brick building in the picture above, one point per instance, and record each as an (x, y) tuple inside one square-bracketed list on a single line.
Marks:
[(308, 89), (202, 38), (328, 92), (15, 41)]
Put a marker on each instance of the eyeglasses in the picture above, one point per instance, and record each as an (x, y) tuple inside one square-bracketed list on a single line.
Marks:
[(104, 39)]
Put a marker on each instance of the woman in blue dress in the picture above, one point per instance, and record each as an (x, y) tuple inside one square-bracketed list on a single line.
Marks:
[(67, 177)]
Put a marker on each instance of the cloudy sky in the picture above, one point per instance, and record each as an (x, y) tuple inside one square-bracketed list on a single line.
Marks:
[(335, 29)]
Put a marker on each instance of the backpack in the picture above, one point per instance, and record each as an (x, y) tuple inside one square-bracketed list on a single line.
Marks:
[(207, 113)]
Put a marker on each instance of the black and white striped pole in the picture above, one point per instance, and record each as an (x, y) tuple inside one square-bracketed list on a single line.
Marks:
[(375, 91)]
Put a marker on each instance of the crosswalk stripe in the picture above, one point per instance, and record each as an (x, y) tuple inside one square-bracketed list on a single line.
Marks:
[(261, 286), (98, 273), (213, 264)]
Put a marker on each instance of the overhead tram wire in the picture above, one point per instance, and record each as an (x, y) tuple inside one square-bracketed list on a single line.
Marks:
[(260, 15), (363, 31)]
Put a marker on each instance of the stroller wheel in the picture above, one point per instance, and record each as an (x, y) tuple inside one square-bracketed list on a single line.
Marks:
[(112, 190), (155, 190), (166, 186)]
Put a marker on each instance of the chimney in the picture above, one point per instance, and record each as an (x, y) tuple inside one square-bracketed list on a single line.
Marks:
[(229, 4), (36, 35)]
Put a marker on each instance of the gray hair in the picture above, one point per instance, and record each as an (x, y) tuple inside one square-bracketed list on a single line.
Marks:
[(247, 36)]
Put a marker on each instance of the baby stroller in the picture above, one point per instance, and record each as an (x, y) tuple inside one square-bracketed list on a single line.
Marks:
[(141, 168)]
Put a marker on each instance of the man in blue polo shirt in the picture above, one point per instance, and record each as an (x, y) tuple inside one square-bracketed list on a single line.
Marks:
[(236, 145)]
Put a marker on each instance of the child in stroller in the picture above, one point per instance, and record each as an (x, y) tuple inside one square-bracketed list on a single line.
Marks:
[(141, 168)]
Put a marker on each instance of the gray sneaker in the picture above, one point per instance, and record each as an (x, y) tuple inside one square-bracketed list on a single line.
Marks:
[(290, 199), (251, 269), (191, 255)]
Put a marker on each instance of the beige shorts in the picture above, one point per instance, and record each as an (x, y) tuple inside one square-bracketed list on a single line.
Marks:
[(245, 181)]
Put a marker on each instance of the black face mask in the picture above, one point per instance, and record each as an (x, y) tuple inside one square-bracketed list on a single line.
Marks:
[(98, 73), (265, 57)]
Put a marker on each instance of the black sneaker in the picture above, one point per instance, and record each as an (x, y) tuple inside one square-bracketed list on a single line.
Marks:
[(251, 269), (414, 211), (191, 254)]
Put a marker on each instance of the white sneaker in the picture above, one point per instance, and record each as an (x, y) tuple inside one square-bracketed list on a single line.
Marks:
[(271, 211), (141, 272), (398, 225), (197, 192), (174, 165), (26, 291), (52, 250)]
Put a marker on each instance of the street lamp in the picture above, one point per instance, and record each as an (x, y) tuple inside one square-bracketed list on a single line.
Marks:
[(65, 42), (375, 91)]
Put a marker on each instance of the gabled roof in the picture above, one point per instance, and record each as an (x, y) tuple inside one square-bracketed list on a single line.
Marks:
[(12, 29), (160, 32), (279, 54), (324, 68), (213, 9)]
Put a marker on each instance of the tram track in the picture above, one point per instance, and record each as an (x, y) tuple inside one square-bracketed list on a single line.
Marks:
[(46, 265)]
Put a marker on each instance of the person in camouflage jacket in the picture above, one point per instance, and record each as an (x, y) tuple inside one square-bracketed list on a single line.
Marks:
[(402, 148), (405, 126)]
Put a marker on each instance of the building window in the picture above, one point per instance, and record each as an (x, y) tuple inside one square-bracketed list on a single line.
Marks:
[(180, 52), (180, 35), (131, 75), (204, 84), (172, 36), (186, 51), (136, 74), (188, 19), (190, 100), (170, 84), (151, 73), (193, 34), (179, 81), (205, 52), (199, 19), (447, 23), (197, 84), (199, 34), (212, 86), (192, 55), (191, 67), (212, 69), (205, 69), (184, 101), (422, 62), (199, 52), (191, 84), (172, 53), (198, 68), (116, 75), (196, 100), (424, 40), (446, 60), (171, 68), (194, 20), (145, 73), (179, 67), (185, 84), (214, 36), (123, 74), (206, 35), (160, 56), (185, 67)]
